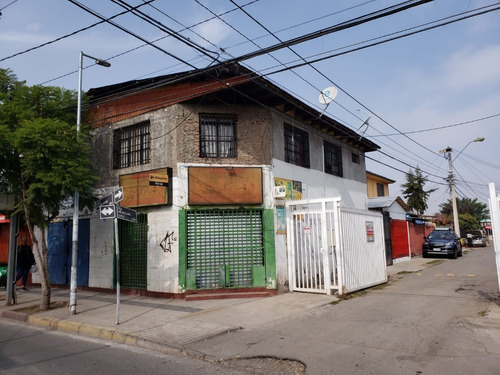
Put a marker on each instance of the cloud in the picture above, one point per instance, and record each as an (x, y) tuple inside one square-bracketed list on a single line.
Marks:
[(470, 68), (214, 30), (33, 27)]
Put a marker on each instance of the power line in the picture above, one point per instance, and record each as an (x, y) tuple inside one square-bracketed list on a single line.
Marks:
[(71, 34), (94, 13), (439, 127), (314, 68), (8, 5), (167, 30)]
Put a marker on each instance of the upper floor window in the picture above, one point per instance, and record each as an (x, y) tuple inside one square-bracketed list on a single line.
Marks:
[(380, 190), (355, 158), (132, 145), (333, 159), (296, 146), (217, 136)]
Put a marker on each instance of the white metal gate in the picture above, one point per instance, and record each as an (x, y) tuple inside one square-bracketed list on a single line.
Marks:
[(311, 238), (333, 248)]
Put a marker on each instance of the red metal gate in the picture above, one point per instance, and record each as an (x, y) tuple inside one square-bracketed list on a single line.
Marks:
[(399, 237), (417, 233)]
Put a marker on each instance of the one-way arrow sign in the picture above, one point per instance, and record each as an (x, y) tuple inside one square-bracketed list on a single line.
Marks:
[(118, 194), (107, 211)]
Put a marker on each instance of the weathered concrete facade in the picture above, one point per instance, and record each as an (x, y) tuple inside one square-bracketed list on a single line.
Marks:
[(173, 112)]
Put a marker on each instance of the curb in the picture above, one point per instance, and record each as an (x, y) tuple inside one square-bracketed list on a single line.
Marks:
[(99, 332)]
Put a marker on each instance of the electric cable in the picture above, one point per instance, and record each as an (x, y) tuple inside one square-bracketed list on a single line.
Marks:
[(71, 34), (94, 13)]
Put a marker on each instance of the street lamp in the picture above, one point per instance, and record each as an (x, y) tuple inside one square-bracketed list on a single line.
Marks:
[(451, 181), (76, 203)]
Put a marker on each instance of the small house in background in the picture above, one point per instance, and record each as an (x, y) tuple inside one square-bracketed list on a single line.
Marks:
[(404, 232), (377, 186)]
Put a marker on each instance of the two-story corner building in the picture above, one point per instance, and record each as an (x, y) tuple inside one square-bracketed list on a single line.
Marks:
[(200, 156)]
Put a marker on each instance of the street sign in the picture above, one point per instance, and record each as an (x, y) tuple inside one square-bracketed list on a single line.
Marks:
[(107, 211), (118, 194), (126, 214), (156, 179), (107, 200)]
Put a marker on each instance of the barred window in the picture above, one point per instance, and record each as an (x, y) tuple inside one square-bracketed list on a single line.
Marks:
[(132, 145), (217, 136), (296, 146), (333, 159)]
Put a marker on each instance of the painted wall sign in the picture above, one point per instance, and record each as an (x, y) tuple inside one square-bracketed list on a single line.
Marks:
[(225, 185), (138, 192), (293, 188), (370, 234)]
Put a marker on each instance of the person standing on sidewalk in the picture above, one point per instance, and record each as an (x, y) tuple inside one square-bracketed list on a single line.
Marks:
[(25, 260)]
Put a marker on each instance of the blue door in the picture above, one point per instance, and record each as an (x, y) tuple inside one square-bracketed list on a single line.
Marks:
[(60, 243)]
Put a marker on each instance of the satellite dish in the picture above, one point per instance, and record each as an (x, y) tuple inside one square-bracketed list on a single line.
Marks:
[(327, 95)]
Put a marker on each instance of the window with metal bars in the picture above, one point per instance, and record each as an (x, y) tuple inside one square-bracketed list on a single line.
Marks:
[(296, 146), (333, 159), (132, 145), (217, 136)]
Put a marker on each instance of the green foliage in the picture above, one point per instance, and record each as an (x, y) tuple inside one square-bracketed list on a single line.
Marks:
[(414, 191), (468, 222), (42, 159), (468, 206)]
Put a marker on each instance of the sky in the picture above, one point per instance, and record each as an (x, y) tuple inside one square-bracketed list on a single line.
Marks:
[(423, 92)]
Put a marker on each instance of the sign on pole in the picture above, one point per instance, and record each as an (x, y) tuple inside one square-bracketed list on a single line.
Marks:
[(126, 214), (118, 194), (107, 200), (107, 211)]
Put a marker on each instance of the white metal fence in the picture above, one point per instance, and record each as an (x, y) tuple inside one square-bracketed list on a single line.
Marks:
[(333, 248), (362, 249), (495, 225)]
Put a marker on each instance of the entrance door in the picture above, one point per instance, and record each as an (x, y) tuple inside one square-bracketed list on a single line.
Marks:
[(60, 242)]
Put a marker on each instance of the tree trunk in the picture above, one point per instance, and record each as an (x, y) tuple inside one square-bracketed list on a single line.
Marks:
[(42, 261)]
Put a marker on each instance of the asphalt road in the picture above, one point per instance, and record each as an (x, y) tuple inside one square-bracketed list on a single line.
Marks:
[(420, 323), (29, 350)]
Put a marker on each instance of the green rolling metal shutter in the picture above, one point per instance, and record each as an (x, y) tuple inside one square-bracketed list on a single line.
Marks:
[(224, 248)]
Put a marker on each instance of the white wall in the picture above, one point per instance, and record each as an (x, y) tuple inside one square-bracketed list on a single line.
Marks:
[(396, 211), (101, 257), (163, 264), (315, 184)]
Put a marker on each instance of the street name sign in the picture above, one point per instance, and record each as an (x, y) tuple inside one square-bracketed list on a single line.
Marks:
[(107, 200), (126, 214)]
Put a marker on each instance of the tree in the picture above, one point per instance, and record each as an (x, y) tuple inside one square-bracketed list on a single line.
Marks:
[(43, 159), (468, 222), (477, 210), (414, 191)]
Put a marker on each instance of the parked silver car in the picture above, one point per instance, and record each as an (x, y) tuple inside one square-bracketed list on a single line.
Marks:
[(478, 238)]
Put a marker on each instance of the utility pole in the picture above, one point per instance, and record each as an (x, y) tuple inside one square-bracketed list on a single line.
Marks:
[(451, 182)]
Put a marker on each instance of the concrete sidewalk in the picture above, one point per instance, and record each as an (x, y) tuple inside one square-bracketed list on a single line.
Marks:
[(170, 325)]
